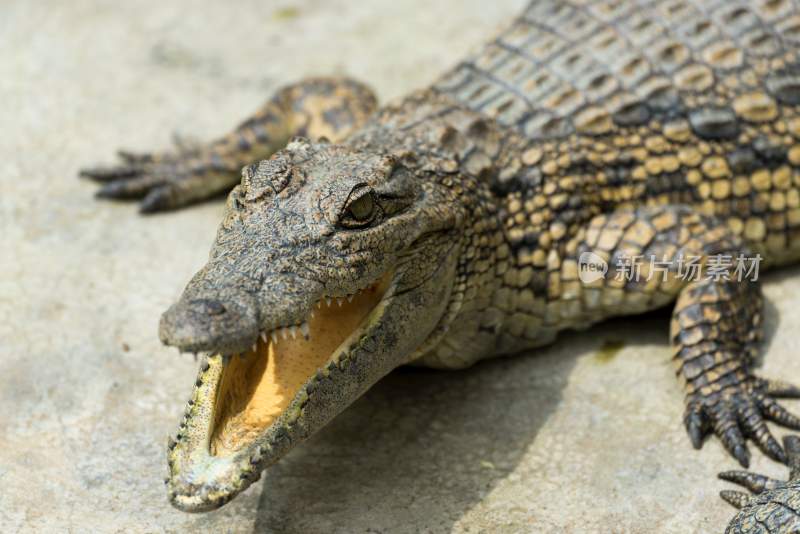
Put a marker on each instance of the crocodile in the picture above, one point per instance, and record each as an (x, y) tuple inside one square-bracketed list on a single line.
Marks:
[(773, 507), (457, 223)]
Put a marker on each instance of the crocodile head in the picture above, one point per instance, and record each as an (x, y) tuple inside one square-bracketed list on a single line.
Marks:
[(331, 268)]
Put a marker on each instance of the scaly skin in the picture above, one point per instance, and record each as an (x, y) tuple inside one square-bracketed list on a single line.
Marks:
[(614, 128), (774, 506)]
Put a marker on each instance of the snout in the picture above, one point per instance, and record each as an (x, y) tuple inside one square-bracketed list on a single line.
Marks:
[(225, 323)]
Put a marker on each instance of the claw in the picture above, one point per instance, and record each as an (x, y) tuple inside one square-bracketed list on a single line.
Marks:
[(777, 413), (108, 174), (779, 389), (185, 145), (132, 157), (726, 427), (752, 481), (791, 445), (742, 455), (737, 499), (754, 426), (127, 189), (694, 425), (157, 199), (769, 445)]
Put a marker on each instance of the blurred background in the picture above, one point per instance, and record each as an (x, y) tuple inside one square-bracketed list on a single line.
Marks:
[(584, 436)]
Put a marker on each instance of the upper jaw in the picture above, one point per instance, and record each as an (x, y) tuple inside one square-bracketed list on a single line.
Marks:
[(230, 321), (218, 322), (229, 318)]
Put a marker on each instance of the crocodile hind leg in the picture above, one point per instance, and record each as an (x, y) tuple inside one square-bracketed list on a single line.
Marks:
[(716, 321), (317, 107)]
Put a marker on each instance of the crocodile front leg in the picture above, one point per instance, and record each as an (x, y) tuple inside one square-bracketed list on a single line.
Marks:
[(646, 256), (318, 107), (714, 328)]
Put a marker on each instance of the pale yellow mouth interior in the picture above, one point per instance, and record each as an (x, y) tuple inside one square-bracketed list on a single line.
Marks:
[(256, 388)]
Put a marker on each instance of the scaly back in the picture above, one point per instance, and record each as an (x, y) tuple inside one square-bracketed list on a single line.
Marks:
[(590, 67)]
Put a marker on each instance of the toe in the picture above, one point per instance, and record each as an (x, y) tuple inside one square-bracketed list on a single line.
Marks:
[(726, 427), (755, 427), (752, 481), (108, 174), (159, 199), (778, 414), (135, 158), (695, 426), (737, 499), (128, 189), (778, 388)]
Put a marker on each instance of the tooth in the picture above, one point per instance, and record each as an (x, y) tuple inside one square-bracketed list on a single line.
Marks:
[(255, 346), (349, 298), (274, 336), (304, 330), (284, 334), (319, 304), (264, 337), (339, 301), (293, 331), (312, 314), (328, 301)]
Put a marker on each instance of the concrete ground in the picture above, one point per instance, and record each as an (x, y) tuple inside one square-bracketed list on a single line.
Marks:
[(584, 436)]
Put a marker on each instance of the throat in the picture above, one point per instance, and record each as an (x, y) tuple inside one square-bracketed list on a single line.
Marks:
[(256, 388)]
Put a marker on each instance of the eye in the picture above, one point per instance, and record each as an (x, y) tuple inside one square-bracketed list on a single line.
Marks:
[(360, 209)]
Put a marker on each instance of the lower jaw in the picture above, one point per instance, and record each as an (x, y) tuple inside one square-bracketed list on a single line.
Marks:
[(241, 403)]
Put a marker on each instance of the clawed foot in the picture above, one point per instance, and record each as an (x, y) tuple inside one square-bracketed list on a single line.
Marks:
[(754, 482), (740, 412), (167, 181), (771, 506)]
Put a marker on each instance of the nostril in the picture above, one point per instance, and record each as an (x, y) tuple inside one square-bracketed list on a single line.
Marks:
[(211, 307)]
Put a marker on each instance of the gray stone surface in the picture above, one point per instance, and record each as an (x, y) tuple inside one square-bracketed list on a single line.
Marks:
[(573, 438)]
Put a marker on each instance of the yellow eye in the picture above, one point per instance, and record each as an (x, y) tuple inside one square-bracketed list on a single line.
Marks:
[(362, 208)]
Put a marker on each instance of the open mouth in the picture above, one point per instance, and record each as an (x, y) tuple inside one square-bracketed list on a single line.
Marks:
[(257, 387), (242, 402)]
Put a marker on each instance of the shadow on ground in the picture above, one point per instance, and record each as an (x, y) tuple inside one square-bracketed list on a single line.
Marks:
[(430, 445), (428, 442)]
